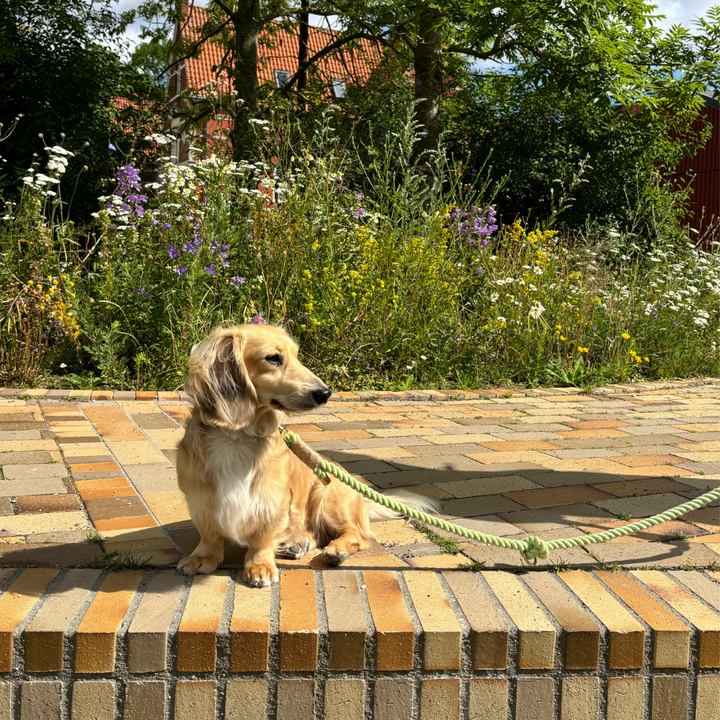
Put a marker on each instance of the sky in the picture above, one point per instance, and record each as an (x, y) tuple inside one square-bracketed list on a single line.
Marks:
[(676, 12)]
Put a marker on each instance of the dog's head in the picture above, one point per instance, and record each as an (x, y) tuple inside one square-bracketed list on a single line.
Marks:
[(241, 370)]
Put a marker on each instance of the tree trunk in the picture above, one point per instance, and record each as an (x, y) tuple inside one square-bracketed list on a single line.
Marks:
[(303, 46), (247, 31), (428, 81)]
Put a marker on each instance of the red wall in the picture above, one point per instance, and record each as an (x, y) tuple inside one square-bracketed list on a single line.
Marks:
[(705, 200)]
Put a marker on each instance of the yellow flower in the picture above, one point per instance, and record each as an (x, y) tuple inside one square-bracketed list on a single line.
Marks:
[(625, 336), (562, 337), (647, 359), (582, 349)]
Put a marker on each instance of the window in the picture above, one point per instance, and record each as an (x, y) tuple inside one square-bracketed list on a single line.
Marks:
[(338, 87), (281, 77)]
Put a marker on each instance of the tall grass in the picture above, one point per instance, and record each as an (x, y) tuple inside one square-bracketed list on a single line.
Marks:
[(382, 283)]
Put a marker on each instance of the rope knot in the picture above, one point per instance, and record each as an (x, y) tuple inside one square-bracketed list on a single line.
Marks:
[(535, 548)]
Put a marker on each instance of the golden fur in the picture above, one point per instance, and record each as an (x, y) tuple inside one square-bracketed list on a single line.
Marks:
[(239, 478)]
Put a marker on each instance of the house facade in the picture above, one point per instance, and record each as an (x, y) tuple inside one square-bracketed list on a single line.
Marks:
[(192, 79)]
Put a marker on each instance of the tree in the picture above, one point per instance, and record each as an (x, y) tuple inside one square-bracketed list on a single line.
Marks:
[(151, 59), (58, 69), (585, 45), (568, 45)]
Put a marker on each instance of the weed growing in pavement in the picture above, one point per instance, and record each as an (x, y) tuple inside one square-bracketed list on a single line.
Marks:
[(95, 538), (448, 545), (475, 566), (122, 560)]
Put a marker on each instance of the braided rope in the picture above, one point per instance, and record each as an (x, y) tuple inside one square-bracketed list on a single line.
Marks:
[(531, 548)]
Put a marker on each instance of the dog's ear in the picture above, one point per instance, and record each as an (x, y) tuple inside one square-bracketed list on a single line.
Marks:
[(218, 380)]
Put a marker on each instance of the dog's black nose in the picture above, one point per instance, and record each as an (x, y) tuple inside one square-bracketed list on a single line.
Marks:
[(322, 395)]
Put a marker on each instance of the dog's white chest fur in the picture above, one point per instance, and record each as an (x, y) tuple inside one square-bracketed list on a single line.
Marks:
[(231, 463)]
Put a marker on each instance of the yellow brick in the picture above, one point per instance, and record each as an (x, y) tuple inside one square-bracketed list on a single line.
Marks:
[(442, 632), (16, 603), (537, 634)]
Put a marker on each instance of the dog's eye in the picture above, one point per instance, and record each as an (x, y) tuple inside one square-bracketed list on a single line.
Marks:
[(274, 360)]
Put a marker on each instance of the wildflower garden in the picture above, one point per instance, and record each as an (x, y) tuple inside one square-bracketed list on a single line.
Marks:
[(391, 270)]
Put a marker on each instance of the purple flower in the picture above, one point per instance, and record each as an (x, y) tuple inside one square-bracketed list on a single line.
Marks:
[(172, 252), (237, 280), (154, 222), (181, 271), (129, 186), (479, 271), (145, 293), (477, 224), (257, 320), (210, 270), (359, 197), (166, 226), (359, 212), (111, 147)]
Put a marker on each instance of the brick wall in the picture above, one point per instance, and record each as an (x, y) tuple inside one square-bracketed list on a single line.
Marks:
[(83, 644)]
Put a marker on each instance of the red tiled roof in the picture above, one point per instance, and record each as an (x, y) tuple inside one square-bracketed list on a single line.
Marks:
[(278, 50)]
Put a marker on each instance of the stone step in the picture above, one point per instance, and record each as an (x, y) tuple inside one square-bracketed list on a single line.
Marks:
[(84, 644)]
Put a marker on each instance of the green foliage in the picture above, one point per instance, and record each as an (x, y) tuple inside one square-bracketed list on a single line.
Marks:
[(59, 73), (538, 135), (151, 58), (381, 288)]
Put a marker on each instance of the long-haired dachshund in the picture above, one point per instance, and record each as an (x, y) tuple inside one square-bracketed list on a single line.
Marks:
[(239, 478)]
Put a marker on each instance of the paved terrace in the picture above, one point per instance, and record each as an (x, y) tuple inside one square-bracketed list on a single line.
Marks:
[(625, 630)]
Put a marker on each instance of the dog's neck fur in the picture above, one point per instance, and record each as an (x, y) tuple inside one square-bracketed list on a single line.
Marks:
[(264, 424)]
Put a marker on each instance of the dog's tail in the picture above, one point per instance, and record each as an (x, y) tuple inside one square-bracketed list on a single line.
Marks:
[(406, 497)]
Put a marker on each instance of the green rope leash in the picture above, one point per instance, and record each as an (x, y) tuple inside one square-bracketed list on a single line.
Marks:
[(531, 548)]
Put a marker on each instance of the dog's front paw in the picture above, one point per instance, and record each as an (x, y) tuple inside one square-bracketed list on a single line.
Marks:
[(260, 575), (293, 550), (194, 564), (333, 555)]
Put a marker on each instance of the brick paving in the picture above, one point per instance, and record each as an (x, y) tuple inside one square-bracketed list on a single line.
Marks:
[(94, 623), (555, 463)]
